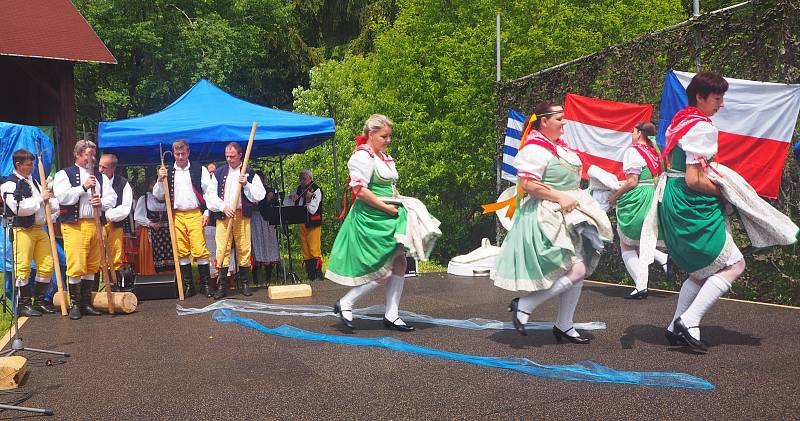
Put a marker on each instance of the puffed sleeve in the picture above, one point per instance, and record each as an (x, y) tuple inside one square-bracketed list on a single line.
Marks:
[(632, 162), (700, 142), (361, 166), (531, 161)]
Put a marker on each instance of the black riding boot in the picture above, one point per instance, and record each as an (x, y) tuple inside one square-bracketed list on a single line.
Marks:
[(188, 283), (309, 264), (318, 274), (75, 299), (86, 298), (25, 307), (39, 300), (246, 277), (268, 273), (222, 283), (205, 277)]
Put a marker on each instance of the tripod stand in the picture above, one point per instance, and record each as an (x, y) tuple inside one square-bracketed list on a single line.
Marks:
[(17, 345)]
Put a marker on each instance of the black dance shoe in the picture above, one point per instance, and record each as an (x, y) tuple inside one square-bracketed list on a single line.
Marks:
[(337, 309), (673, 338), (402, 328), (690, 340), (638, 295), (574, 339), (518, 325)]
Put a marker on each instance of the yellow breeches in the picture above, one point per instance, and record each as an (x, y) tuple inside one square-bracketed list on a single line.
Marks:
[(32, 244), (241, 240), (310, 239), (114, 237), (82, 247), (189, 234)]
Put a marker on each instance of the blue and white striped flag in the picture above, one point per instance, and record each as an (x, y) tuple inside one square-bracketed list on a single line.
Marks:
[(514, 129)]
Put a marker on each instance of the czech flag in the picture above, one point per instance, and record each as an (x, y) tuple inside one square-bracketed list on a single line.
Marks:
[(755, 126), (601, 130)]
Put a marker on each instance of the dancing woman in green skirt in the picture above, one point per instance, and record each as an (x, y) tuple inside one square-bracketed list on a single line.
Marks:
[(368, 251), (641, 166)]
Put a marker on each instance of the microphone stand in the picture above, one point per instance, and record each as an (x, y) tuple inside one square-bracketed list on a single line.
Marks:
[(17, 345)]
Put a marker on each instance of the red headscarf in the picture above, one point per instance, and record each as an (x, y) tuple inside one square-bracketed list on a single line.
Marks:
[(683, 121)]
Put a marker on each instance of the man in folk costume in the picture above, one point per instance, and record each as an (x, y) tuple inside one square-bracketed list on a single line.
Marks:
[(116, 216), (220, 199), (72, 187), (309, 194), (187, 186), (25, 200)]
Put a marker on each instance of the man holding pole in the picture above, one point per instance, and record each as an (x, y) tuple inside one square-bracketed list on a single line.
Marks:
[(72, 187), (25, 199), (187, 185), (118, 214), (220, 199)]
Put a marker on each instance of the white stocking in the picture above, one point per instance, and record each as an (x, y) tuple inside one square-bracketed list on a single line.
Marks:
[(353, 295)]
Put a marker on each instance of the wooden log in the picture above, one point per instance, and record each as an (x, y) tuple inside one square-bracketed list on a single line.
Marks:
[(280, 292), (12, 370), (125, 302)]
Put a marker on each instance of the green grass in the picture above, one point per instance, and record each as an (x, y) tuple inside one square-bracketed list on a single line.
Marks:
[(5, 318)]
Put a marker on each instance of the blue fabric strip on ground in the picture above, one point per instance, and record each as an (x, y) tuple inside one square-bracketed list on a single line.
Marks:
[(588, 371)]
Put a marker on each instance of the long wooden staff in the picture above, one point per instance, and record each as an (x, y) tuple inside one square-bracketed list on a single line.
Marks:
[(237, 192), (171, 223), (101, 234), (52, 232)]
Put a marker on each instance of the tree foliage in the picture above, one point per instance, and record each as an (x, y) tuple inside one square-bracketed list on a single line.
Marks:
[(432, 71)]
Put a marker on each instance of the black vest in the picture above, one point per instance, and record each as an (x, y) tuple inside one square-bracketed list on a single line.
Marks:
[(118, 185), (314, 219), (196, 175), (24, 191), (71, 213), (221, 174)]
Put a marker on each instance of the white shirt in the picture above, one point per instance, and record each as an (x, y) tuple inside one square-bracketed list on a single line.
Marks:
[(28, 206), (68, 195), (311, 206), (254, 191), (531, 161), (118, 213), (700, 142), (148, 201), (632, 162), (184, 192)]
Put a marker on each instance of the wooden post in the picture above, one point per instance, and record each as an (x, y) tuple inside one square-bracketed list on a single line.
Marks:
[(229, 232), (52, 235), (101, 234), (171, 223)]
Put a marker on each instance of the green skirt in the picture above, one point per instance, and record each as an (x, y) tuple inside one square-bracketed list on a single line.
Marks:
[(632, 208), (692, 226), (366, 245)]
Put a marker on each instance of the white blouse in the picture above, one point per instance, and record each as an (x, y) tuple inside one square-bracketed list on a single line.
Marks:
[(632, 162), (699, 142), (361, 167), (532, 160)]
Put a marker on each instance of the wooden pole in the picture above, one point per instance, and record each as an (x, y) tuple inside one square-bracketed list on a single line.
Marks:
[(171, 223), (101, 234), (237, 192), (52, 235)]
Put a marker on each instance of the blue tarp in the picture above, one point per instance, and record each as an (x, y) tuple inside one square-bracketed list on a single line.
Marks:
[(208, 117), (673, 99), (12, 138)]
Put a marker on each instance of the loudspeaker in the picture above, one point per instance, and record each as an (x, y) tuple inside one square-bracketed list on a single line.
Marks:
[(156, 287)]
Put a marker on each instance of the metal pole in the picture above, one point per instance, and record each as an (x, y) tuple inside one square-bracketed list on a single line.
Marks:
[(696, 14), (498, 46)]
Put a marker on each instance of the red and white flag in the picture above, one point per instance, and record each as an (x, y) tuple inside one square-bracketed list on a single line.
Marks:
[(601, 130), (755, 126)]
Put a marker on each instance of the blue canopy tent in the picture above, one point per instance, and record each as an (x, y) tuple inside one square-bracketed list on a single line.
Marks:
[(207, 118), (12, 138)]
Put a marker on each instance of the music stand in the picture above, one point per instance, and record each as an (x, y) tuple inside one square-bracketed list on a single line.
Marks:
[(283, 216)]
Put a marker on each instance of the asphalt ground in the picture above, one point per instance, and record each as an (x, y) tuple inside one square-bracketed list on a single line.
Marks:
[(153, 364)]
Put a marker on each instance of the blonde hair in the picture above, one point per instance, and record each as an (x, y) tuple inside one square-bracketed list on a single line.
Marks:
[(376, 122)]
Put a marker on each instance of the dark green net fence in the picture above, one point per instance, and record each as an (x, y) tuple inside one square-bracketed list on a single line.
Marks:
[(759, 40)]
